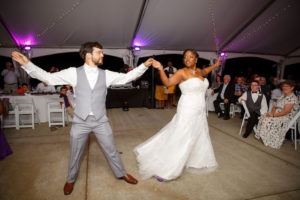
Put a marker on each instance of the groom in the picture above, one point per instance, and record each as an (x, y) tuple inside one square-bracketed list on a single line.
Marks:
[(90, 85)]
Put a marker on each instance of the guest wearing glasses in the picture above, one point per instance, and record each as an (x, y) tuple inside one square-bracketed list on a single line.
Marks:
[(257, 105), (272, 127)]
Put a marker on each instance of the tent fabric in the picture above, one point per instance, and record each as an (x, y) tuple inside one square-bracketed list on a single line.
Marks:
[(268, 29)]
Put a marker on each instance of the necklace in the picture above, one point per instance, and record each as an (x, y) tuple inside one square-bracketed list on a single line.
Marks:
[(193, 71)]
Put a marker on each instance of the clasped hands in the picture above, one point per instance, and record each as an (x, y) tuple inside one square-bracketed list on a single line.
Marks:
[(154, 63)]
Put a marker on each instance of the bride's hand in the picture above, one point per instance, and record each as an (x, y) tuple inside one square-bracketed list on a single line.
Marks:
[(157, 65)]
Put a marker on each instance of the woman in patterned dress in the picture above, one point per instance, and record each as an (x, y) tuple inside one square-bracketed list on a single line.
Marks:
[(273, 126)]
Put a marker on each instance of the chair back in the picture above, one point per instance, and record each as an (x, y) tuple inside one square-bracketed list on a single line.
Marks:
[(246, 109), (295, 118)]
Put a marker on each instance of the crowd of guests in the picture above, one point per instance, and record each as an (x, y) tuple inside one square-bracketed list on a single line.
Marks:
[(271, 107), (11, 75)]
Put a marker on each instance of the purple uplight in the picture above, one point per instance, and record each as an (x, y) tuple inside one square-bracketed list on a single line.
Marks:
[(222, 54), (137, 48), (27, 48)]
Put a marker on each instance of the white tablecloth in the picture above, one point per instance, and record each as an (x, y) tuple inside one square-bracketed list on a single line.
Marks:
[(40, 102), (210, 100)]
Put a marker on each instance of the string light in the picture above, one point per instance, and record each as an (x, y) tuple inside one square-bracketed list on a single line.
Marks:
[(213, 23), (260, 27), (58, 19)]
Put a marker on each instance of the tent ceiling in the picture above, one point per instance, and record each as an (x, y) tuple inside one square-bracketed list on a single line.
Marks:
[(270, 27)]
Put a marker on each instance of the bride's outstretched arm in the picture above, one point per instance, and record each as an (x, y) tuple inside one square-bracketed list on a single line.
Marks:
[(174, 80), (207, 70)]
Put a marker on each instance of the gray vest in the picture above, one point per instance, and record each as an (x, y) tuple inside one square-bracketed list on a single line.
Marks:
[(88, 100), (254, 106)]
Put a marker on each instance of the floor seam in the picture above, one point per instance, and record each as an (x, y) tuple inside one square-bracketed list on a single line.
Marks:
[(253, 198), (257, 148)]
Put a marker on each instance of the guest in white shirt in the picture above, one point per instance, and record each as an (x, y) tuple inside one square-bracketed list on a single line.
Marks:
[(257, 105), (90, 119), (11, 76), (44, 87)]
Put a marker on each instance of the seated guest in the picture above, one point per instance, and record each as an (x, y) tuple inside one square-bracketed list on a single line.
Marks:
[(257, 105), (69, 90), (226, 96), (275, 84), (68, 105), (272, 127), (265, 89), (44, 87), (23, 89), (240, 88), (275, 95), (216, 84)]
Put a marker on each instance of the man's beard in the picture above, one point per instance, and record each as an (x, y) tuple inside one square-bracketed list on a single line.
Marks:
[(96, 62)]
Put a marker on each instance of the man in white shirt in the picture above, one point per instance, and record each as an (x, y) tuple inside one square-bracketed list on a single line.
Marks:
[(90, 87), (11, 76), (257, 105), (44, 87)]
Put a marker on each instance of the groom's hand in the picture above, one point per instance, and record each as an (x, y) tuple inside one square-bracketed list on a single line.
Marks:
[(148, 62), (20, 58)]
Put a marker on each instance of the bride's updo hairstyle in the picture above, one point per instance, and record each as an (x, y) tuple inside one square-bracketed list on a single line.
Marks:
[(193, 51)]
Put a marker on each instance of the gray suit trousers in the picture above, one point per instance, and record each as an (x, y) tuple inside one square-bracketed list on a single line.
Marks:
[(79, 134)]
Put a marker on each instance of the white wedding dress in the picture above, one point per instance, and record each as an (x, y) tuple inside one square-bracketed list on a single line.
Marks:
[(184, 142)]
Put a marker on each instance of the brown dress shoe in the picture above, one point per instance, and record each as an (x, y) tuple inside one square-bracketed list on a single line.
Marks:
[(130, 179), (68, 188)]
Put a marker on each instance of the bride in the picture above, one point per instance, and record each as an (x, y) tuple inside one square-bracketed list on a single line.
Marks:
[(184, 142)]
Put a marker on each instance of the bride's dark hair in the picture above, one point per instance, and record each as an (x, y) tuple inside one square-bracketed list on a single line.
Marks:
[(193, 51)]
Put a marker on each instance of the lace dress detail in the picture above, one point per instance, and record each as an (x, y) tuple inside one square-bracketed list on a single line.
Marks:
[(272, 130)]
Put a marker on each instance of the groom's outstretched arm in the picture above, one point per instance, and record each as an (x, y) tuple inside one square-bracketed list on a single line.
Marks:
[(64, 77), (114, 78)]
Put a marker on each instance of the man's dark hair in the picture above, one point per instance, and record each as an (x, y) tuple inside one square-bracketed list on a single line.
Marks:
[(88, 48), (24, 84), (63, 88), (255, 81)]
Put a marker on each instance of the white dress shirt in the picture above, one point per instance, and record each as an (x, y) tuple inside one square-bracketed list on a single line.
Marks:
[(223, 90), (10, 77), (174, 70), (69, 76), (264, 105), (42, 88)]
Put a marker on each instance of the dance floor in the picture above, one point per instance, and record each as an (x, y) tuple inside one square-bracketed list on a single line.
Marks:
[(247, 169)]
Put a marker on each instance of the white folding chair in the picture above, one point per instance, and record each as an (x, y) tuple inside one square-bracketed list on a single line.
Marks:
[(12, 120), (26, 112), (246, 116), (232, 109), (56, 107), (293, 127)]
